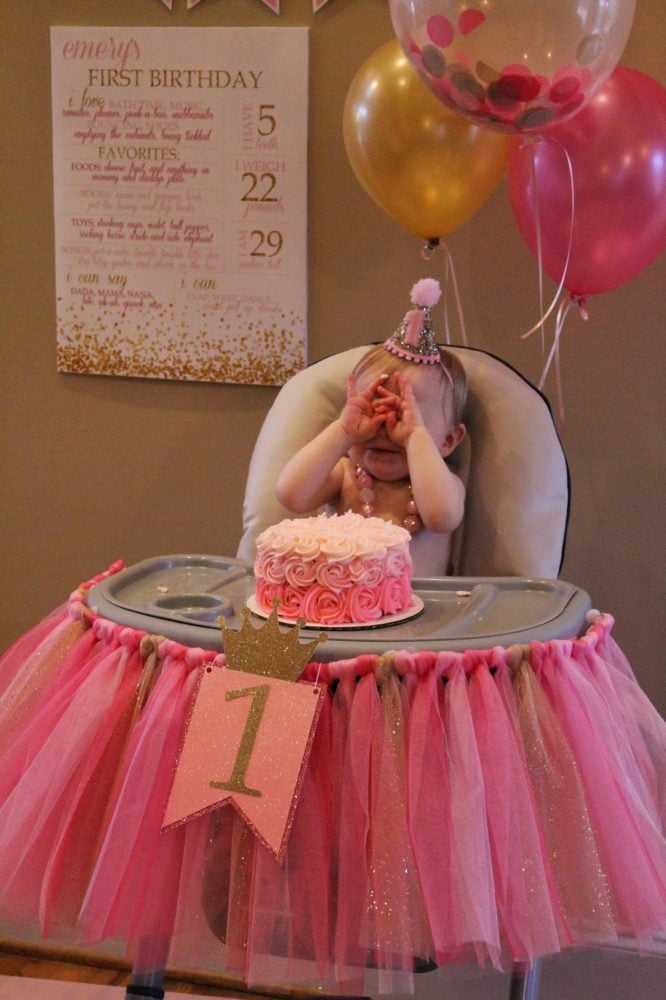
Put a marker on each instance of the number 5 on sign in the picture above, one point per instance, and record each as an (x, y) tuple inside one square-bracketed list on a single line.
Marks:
[(267, 121), (247, 744)]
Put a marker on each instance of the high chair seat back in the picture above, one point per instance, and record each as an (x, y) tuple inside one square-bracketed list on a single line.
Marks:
[(511, 460)]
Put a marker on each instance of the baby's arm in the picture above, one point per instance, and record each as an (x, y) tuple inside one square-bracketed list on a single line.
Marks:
[(438, 493), (313, 476)]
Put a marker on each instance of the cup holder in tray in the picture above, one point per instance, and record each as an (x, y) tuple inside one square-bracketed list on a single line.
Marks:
[(198, 607)]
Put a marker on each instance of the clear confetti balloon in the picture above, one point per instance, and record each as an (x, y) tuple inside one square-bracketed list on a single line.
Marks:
[(515, 65)]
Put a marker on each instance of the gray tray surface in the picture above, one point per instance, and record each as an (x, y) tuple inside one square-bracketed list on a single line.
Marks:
[(182, 596)]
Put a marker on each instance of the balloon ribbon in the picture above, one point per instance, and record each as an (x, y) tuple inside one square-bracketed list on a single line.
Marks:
[(564, 305), (449, 275)]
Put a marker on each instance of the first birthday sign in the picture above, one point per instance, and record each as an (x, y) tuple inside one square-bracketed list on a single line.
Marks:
[(180, 177)]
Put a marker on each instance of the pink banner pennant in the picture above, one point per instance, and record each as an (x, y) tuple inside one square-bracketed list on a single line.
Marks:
[(248, 743), (273, 4)]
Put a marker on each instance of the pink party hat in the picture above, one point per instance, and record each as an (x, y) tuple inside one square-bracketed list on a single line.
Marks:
[(415, 338)]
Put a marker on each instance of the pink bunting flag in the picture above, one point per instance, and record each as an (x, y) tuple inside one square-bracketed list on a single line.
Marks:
[(273, 4), (248, 743)]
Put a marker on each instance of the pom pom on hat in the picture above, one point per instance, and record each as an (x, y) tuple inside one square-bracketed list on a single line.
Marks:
[(426, 293)]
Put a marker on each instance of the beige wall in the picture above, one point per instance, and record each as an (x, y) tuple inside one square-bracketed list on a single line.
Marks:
[(98, 468)]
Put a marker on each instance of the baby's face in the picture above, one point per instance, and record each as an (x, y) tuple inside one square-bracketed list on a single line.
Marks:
[(380, 456)]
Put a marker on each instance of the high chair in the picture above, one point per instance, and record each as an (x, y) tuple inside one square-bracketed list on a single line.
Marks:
[(511, 461)]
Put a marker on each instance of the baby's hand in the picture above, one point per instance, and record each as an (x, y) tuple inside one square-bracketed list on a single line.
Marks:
[(402, 412), (360, 419)]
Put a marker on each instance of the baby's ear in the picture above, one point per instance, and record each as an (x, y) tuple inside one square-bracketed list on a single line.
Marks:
[(452, 440)]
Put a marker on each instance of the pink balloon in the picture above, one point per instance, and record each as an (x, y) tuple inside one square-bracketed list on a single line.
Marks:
[(617, 146)]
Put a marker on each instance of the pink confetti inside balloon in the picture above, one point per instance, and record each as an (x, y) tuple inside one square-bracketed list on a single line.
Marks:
[(515, 65), (470, 19), (440, 31)]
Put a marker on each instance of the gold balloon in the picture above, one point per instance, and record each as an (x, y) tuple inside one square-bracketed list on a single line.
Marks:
[(427, 167)]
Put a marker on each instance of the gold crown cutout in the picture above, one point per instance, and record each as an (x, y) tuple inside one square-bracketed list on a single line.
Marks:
[(266, 650)]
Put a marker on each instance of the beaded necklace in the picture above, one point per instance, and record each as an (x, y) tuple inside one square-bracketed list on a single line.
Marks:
[(411, 521)]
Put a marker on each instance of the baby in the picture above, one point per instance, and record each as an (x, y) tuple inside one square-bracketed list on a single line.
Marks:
[(384, 455)]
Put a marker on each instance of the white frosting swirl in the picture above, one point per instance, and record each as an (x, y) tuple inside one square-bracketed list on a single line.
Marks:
[(339, 565)]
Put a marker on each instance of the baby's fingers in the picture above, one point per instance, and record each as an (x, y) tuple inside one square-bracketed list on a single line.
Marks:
[(374, 386), (386, 398)]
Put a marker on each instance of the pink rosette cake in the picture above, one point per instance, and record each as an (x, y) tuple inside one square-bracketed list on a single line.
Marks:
[(334, 570)]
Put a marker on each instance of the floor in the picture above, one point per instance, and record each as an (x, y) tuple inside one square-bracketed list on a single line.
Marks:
[(12, 988), (54, 979), (593, 974)]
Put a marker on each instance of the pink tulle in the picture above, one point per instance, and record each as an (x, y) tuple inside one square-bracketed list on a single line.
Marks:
[(524, 889), (473, 881), (27, 666), (51, 815), (615, 793), (351, 931), (642, 731), (134, 886), (397, 926), (18, 654), (496, 805), (571, 844), (430, 819), (45, 707)]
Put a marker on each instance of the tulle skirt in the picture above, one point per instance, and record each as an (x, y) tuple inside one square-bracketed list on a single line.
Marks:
[(494, 805)]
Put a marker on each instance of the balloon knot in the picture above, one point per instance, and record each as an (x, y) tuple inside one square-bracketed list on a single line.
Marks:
[(581, 302), (429, 248)]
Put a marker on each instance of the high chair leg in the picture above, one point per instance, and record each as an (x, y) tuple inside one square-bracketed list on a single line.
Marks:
[(150, 959), (146, 984), (136, 990), (525, 982)]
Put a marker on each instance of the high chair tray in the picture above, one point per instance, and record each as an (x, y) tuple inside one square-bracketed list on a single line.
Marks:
[(182, 596)]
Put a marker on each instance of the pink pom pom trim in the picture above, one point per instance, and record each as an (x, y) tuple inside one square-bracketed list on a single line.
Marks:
[(426, 292)]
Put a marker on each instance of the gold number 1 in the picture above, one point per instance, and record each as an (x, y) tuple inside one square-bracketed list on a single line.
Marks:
[(236, 782)]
